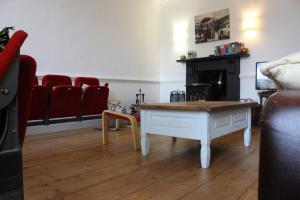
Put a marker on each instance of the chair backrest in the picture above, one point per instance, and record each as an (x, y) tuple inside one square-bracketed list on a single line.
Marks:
[(79, 81), (55, 80)]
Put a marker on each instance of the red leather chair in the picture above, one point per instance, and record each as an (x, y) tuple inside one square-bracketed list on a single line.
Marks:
[(39, 102), (95, 97), (65, 99)]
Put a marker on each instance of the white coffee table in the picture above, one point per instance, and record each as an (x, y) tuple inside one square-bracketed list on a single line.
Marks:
[(202, 121)]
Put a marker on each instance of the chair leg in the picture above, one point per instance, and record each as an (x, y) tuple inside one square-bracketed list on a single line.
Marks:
[(117, 125), (135, 134), (105, 127)]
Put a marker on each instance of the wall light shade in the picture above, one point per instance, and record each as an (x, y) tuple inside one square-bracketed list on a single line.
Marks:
[(251, 34), (250, 21), (250, 25), (180, 36)]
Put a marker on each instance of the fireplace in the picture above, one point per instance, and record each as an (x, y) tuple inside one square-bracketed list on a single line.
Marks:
[(209, 85), (214, 78)]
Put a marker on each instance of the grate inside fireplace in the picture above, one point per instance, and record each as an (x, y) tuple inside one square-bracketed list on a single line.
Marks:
[(209, 85)]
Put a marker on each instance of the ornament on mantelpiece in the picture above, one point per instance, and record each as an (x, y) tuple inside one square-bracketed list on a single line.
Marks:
[(140, 97)]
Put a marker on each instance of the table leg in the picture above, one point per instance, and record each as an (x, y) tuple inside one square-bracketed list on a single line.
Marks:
[(145, 144), (205, 153), (247, 136), (247, 131)]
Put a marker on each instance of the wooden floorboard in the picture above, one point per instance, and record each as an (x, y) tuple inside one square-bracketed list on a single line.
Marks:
[(74, 165)]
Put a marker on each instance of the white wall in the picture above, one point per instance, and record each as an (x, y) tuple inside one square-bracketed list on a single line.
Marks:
[(278, 33), (107, 39), (116, 41)]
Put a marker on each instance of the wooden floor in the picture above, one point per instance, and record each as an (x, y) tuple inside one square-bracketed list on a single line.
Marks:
[(73, 165)]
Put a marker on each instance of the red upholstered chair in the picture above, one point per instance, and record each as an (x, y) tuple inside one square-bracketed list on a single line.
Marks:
[(95, 97), (65, 99), (16, 81), (39, 101), (27, 68)]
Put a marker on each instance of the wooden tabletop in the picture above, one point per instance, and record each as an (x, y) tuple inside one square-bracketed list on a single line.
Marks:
[(197, 105)]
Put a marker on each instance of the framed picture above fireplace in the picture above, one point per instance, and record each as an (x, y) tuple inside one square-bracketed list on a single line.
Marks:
[(212, 26)]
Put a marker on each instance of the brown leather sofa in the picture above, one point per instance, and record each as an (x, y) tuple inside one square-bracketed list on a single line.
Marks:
[(279, 165)]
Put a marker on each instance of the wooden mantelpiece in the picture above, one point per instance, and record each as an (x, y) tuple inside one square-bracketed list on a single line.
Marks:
[(213, 58), (203, 76)]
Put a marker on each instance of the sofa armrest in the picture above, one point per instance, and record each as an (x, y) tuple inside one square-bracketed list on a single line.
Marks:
[(279, 165)]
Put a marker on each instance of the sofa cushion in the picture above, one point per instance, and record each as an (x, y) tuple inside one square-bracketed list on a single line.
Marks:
[(285, 72)]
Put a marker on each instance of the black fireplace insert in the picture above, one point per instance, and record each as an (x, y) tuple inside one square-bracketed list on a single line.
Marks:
[(210, 85), (213, 78)]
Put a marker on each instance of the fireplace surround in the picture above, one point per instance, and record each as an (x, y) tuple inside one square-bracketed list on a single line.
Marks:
[(214, 78)]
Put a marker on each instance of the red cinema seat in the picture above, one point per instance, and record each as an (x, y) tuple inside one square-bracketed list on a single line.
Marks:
[(27, 68), (39, 101), (95, 97), (16, 81), (65, 99)]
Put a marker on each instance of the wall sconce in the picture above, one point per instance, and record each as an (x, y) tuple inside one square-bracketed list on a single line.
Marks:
[(250, 24), (180, 37)]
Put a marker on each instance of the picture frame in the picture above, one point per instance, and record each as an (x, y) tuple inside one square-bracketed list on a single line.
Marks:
[(212, 26)]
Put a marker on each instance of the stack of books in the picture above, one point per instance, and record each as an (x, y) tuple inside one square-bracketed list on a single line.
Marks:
[(231, 49)]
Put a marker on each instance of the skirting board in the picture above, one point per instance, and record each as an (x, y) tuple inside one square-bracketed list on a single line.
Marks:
[(33, 130), (53, 128)]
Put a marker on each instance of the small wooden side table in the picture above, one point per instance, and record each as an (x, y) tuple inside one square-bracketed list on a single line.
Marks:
[(109, 114)]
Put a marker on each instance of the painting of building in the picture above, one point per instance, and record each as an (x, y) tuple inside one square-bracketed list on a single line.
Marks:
[(212, 26)]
